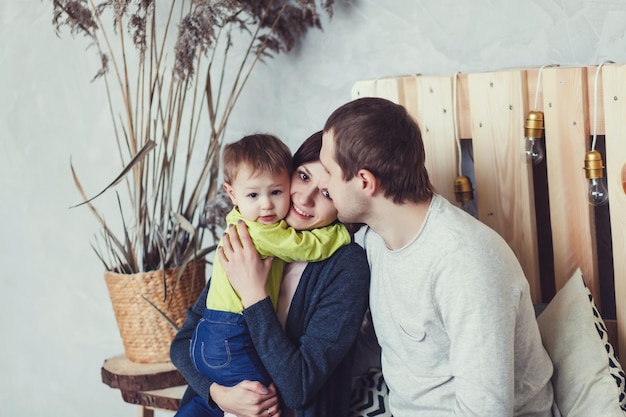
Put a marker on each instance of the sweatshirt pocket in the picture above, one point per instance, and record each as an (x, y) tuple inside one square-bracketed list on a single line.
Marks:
[(427, 349), (413, 332)]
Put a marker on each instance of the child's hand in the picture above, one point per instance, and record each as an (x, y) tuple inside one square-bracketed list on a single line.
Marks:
[(246, 271)]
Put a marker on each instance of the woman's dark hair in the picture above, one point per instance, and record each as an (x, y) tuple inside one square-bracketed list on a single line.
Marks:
[(309, 151)]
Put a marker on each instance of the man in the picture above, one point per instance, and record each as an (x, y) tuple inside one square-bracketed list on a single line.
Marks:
[(449, 301)]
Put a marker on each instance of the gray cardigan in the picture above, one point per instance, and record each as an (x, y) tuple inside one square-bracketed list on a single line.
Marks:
[(310, 362)]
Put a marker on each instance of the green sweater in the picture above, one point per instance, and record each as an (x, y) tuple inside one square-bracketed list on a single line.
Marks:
[(284, 243)]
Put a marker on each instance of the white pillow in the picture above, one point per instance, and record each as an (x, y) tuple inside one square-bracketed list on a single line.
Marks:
[(574, 335)]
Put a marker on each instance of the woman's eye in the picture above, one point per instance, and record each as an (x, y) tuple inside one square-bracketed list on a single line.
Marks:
[(303, 176), (326, 194)]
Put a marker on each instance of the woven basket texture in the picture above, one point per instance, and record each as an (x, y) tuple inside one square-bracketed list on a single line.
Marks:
[(145, 333)]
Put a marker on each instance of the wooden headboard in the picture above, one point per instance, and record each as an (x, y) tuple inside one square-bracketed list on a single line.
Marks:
[(541, 211)]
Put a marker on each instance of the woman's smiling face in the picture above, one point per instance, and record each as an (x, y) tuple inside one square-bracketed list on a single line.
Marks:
[(311, 207)]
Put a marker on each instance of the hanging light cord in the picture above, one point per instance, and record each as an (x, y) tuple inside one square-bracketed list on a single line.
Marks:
[(595, 103), (456, 127), (539, 82)]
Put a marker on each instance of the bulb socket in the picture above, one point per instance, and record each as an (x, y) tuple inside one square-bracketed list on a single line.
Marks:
[(533, 128), (463, 190), (593, 165)]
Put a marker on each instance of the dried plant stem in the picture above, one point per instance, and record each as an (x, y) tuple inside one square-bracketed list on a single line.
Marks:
[(237, 88), (108, 44)]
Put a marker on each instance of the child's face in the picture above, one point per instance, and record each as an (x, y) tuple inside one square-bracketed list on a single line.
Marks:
[(262, 197)]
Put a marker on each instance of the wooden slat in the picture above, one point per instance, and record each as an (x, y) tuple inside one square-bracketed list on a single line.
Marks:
[(599, 111), (565, 104), (614, 88), (388, 88), (463, 108), (366, 88), (408, 94), (531, 88), (435, 115), (504, 187), (400, 90)]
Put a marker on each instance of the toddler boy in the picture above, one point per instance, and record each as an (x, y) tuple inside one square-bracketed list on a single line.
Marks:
[(257, 177)]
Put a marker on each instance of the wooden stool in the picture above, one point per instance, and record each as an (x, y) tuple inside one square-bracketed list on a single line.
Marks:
[(149, 385)]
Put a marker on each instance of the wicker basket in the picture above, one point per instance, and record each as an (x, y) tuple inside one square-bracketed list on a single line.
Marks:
[(146, 334)]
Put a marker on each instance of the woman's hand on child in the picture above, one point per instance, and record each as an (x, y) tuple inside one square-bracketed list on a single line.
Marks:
[(246, 271), (246, 399)]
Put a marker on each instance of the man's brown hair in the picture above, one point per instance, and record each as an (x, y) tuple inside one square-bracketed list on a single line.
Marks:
[(380, 136)]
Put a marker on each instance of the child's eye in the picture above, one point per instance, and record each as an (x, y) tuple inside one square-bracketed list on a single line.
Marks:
[(253, 195), (326, 194), (277, 192)]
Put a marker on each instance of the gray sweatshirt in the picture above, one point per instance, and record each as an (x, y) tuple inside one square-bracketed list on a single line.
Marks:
[(453, 315)]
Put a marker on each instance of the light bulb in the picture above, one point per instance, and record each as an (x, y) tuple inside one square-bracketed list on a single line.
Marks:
[(597, 191), (598, 194), (533, 131), (534, 150)]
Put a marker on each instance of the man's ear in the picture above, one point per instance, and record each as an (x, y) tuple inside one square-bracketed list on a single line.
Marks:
[(368, 182), (230, 192)]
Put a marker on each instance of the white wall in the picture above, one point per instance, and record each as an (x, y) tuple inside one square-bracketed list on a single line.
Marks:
[(56, 321)]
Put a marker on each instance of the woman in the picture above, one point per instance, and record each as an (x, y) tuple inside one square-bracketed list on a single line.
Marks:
[(305, 343)]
